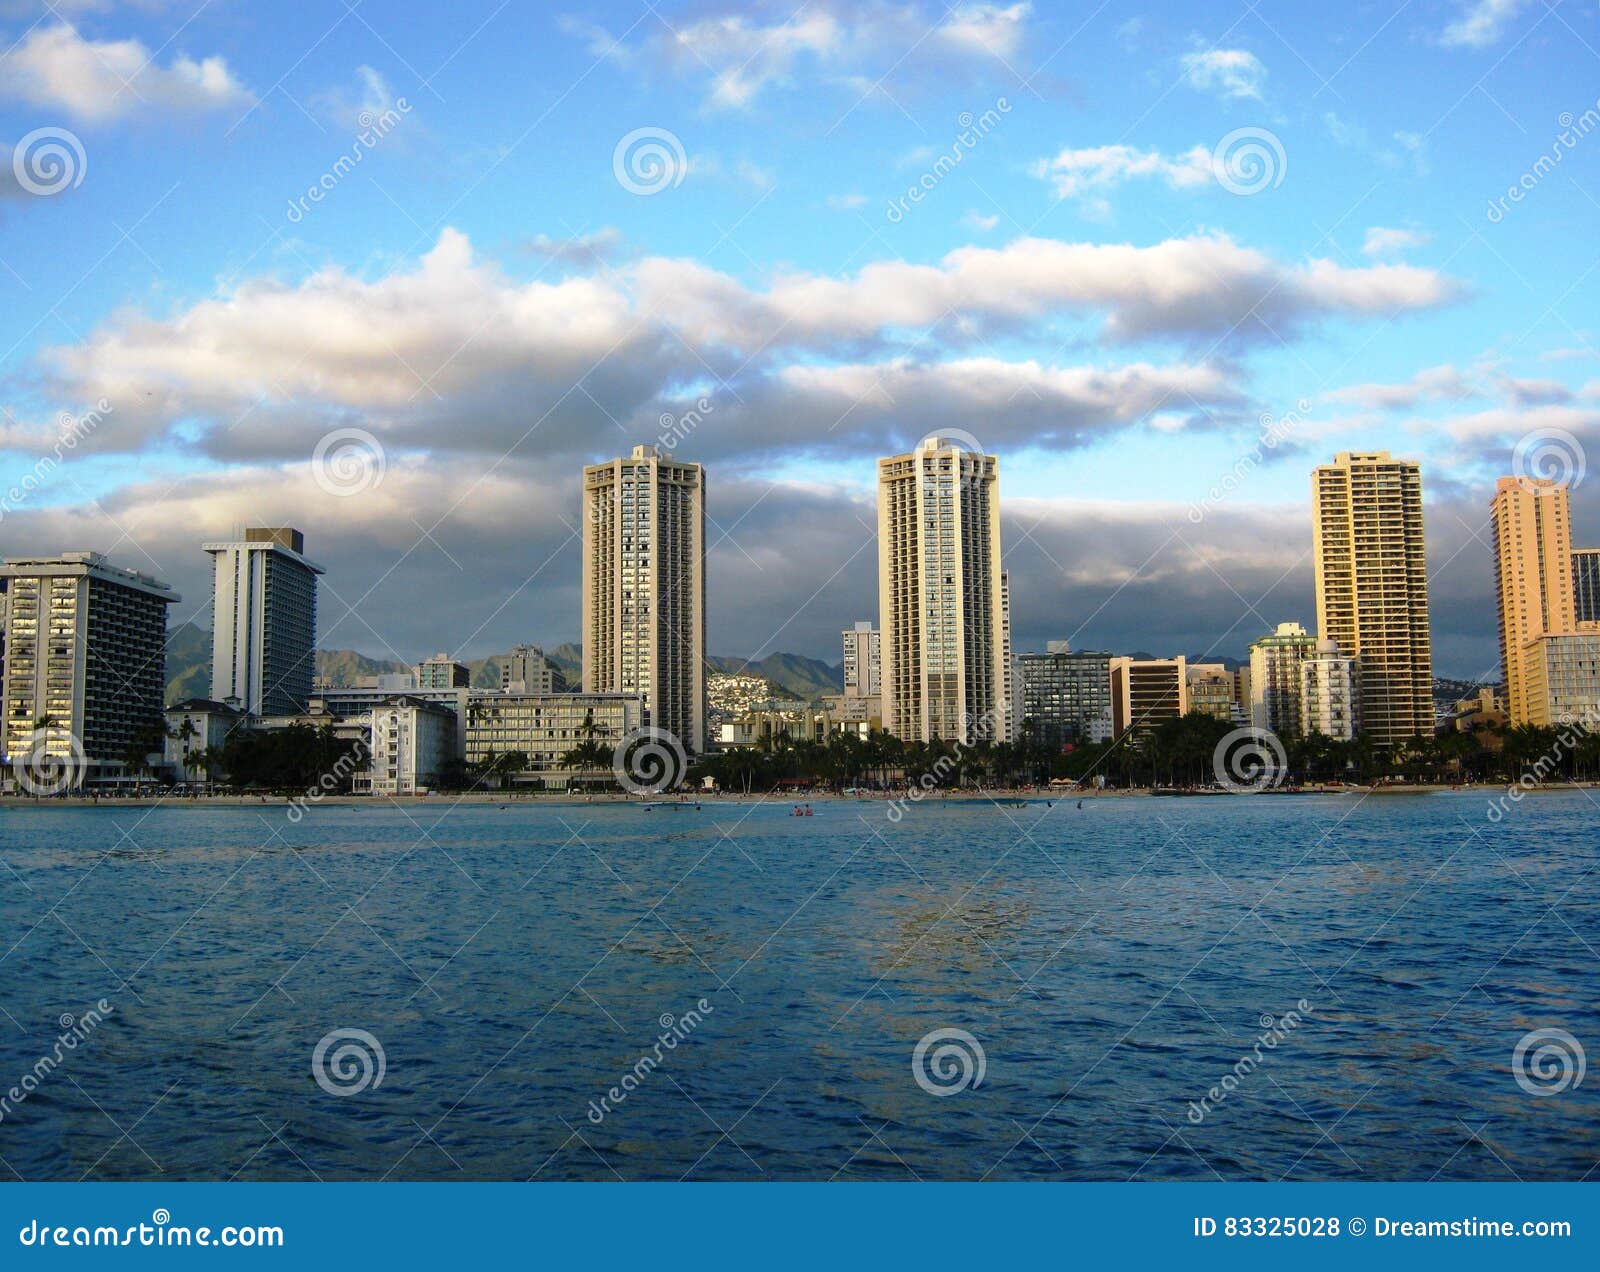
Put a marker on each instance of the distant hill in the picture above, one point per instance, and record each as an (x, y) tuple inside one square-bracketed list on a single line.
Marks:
[(188, 662), (801, 676), (189, 667)]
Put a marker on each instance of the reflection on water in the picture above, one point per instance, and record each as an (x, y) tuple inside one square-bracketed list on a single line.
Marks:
[(1113, 965)]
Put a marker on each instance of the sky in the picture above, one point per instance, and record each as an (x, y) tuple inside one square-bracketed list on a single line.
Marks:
[(392, 274)]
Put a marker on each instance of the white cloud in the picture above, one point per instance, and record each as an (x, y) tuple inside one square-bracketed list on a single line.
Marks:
[(584, 250), (1413, 153), (847, 202), (1435, 384), (1482, 23), (1385, 241), (980, 223), (987, 28), (855, 46), (1073, 172), (1231, 73), (453, 356), (99, 81)]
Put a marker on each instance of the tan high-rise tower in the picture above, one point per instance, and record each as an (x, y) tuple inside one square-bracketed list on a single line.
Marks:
[(644, 598), (1372, 586), (1532, 576), (941, 608)]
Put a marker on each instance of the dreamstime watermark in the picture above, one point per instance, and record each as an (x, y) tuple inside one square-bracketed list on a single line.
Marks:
[(974, 128), (648, 760), (946, 1062), (48, 161), (349, 461), (1274, 431), (1549, 455), (1573, 130), (348, 1062), (1569, 737), (74, 1030), (54, 763), (1274, 1031), (674, 1029), (677, 429), (1548, 1062), (1249, 160), (73, 429), (330, 783), (1248, 760), (647, 161), (374, 126)]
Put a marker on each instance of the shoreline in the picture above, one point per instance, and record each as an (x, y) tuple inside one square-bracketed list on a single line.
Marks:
[(507, 799)]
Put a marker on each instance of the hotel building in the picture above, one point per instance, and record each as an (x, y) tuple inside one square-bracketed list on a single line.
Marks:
[(409, 742), (863, 661), (545, 727), (1066, 695), (85, 670), (264, 621), (1146, 692), (442, 672), (1275, 679), (1372, 586), (526, 670), (940, 596), (644, 600), (1329, 702), (1586, 584), (1530, 519)]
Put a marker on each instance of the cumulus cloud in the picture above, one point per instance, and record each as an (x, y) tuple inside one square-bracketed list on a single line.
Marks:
[(104, 80), (1229, 73), (1481, 23), (1075, 172), (455, 356)]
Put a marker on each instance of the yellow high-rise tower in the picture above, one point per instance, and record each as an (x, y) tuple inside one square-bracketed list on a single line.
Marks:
[(1372, 586), (1532, 577)]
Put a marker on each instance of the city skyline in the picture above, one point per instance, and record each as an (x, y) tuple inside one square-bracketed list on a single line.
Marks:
[(1079, 289)]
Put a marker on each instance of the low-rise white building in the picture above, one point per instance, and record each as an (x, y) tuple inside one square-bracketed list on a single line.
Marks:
[(545, 727), (197, 725), (1329, 693), (411, 741)]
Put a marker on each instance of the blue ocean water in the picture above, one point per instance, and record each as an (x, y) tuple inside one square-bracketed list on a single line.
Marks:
[(1264, 987)]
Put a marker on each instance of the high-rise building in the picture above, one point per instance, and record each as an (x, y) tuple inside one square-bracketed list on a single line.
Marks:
[(1066, 695), (1011, 689), (1586, 585), (1329, 703), (942, 614), (442, 672), (863, 661), (85, 673), (1146, 692), (644, 599), (526, 670), (1275, 679), (1530, 520), (264, 621), (1372, 586)]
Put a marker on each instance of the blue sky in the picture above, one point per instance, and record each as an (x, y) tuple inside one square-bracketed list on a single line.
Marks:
[(1091, 291)]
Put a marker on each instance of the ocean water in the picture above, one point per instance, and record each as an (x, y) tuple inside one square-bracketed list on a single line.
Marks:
[(1246, 987)]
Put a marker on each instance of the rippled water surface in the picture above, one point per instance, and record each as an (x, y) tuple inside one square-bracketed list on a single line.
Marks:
[(1114, 964)]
